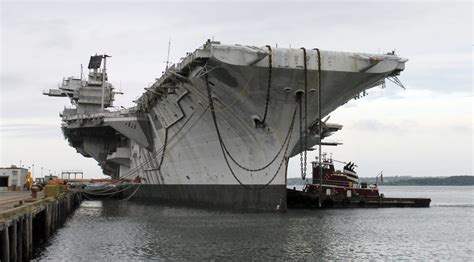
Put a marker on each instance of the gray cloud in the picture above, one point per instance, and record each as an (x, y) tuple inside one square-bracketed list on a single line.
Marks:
[(43, 42), (40, 131), (376, 125)]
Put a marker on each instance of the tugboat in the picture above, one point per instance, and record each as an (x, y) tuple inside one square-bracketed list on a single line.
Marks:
[(329, 188), (339, 183)]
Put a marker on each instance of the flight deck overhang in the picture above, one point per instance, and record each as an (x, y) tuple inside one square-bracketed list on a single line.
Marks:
[(125, 123), (132, 128)]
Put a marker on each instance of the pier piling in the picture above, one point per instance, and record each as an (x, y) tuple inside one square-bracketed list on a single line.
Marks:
[(27, 224), (5, 245)]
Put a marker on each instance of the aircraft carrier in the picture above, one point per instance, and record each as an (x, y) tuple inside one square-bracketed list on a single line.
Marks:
[(218, 127)]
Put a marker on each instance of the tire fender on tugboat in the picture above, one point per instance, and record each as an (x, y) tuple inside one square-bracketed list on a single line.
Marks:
[(345, 202)]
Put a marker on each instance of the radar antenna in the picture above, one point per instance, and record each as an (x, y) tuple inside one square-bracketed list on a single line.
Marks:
[(82, 73), (168, 57)]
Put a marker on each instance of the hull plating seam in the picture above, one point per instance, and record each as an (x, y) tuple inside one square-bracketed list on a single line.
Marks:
[(170, 125)]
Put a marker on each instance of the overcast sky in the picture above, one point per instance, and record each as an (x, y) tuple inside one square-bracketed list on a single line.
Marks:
[(425, 130)]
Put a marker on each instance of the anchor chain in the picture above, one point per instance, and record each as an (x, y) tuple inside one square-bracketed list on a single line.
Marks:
[(303, 135), (320, 120), (303, 175)]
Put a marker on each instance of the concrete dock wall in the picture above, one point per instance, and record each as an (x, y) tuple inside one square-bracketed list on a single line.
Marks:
[(28, 226)]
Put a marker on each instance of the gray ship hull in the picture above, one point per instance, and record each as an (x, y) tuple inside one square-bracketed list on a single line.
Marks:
[(218, 128)]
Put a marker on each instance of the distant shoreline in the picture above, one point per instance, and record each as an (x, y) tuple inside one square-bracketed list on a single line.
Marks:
[(408, 181)]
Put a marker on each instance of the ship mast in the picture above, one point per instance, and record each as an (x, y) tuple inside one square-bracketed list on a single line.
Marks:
[(104, 71)]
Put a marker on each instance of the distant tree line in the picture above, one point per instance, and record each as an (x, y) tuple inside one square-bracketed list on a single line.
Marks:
[(407, 181), (433, 181)]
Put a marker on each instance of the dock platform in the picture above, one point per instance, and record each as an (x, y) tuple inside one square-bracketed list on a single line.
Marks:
[(300, 199), (26, 222)]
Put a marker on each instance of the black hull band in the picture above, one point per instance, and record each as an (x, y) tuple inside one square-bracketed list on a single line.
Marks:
[(235, 197)]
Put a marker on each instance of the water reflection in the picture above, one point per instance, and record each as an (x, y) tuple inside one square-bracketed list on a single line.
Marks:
[(128, 230)]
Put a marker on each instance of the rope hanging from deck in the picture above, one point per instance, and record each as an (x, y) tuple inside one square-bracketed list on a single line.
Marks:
[(287, 137), (225, 152), (266, 165)]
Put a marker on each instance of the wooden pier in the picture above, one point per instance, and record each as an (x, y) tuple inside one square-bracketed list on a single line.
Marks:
[(26, 222)]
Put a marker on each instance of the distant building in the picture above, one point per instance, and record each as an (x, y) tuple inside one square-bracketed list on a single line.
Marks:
[(12, 177), (50, 177)]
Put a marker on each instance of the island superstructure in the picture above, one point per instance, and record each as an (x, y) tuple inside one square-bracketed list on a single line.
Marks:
[(219, 127)]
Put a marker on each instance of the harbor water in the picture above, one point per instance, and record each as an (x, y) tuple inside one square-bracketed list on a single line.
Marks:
[(112, 229)]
